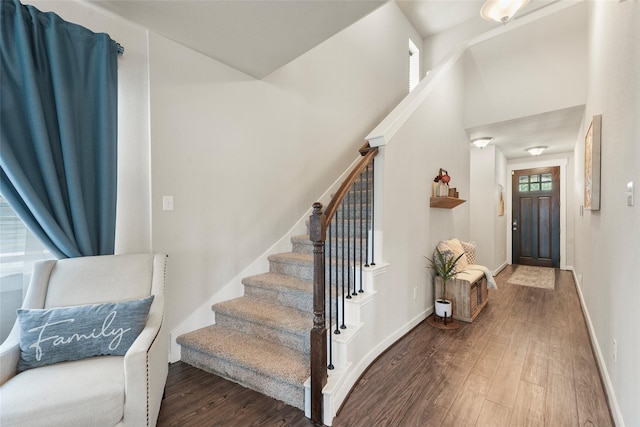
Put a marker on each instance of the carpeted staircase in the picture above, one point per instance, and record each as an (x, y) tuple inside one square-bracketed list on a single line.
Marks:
[(261, 340)]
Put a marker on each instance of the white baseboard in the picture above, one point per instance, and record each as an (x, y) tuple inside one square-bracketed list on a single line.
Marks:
[(604, 373), (500, 268)]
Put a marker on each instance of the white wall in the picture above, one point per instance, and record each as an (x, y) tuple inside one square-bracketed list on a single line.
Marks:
[(488, 230), (439, 46), (133, 225), (431, 139), (500, 224), (531, 61), (607, 246), (245, 158)]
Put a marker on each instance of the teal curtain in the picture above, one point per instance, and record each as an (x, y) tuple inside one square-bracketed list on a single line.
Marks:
[(58, 129)]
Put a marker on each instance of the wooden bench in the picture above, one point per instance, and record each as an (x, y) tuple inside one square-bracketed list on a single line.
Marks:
[(467, 292)]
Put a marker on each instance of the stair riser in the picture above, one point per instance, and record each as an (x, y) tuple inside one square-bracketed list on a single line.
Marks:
[(301, 271), (297, 340), (353, 210), (363, 184), (356, 192), (347, 228), (296, 299), (305, 271), (302, 247), (356, 196), (299, 300), (336, 247), (291, 394)]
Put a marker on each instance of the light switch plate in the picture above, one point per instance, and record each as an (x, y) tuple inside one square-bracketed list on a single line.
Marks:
[(630, 193)]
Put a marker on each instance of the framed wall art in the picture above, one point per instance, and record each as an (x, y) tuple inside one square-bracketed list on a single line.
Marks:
[(500, 200), (592, 146)]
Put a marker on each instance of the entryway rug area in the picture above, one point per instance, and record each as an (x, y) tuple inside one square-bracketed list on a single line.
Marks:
[(535, 277)]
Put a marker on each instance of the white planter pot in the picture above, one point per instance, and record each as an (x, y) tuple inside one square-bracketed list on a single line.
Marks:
[(443, 308)]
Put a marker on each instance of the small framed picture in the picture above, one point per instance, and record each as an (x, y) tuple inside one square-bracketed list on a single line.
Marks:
[(592, 165)]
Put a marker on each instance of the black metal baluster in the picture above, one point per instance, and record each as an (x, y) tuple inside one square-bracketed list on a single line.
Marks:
[(366, 236), (328, 303), (361, 225), (343, 325), (352, 240), (345, 241), (373, 208), (336, 221)]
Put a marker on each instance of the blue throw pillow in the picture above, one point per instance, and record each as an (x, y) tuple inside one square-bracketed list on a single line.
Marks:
[(71, 333)]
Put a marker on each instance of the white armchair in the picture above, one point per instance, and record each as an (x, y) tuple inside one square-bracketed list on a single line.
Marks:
[(97, 391)]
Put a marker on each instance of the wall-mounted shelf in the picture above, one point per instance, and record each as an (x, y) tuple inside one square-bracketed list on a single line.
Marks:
[(445, 202)]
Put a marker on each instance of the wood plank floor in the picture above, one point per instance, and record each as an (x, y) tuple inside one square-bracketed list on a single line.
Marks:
[(525, 361)]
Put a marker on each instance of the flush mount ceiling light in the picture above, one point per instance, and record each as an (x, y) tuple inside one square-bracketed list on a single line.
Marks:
[(501, 10), (482, 142), (536, 151)]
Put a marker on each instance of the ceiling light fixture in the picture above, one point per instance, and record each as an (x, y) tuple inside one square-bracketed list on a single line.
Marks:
[(482, 142), (536, 151), (501, 10)]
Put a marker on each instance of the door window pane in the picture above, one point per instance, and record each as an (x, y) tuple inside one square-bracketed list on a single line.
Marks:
[(537, 182)]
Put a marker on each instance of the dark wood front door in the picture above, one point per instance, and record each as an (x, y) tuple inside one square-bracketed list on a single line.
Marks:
[(536, 217)]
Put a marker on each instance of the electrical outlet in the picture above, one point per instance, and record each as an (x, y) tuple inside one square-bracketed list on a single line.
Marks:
[(615, 351), (415, 293)]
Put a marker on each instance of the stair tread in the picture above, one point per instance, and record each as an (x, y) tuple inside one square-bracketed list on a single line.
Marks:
[(267, 313), (256, 354), (302, 238), (299, 258), (305, 239), (278, 281), (292, 258)]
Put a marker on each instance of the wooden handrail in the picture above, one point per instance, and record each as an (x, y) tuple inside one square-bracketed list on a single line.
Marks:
[(368, 153)]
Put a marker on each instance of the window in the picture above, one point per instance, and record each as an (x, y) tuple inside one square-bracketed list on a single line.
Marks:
[(19, 248), (414, 66), (541, 182)]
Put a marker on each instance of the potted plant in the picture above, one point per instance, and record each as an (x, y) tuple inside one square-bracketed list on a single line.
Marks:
[(444, 265)]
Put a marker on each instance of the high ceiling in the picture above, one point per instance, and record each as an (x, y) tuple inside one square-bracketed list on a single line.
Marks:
[(431, 17), (259, 36), (254, 36)]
